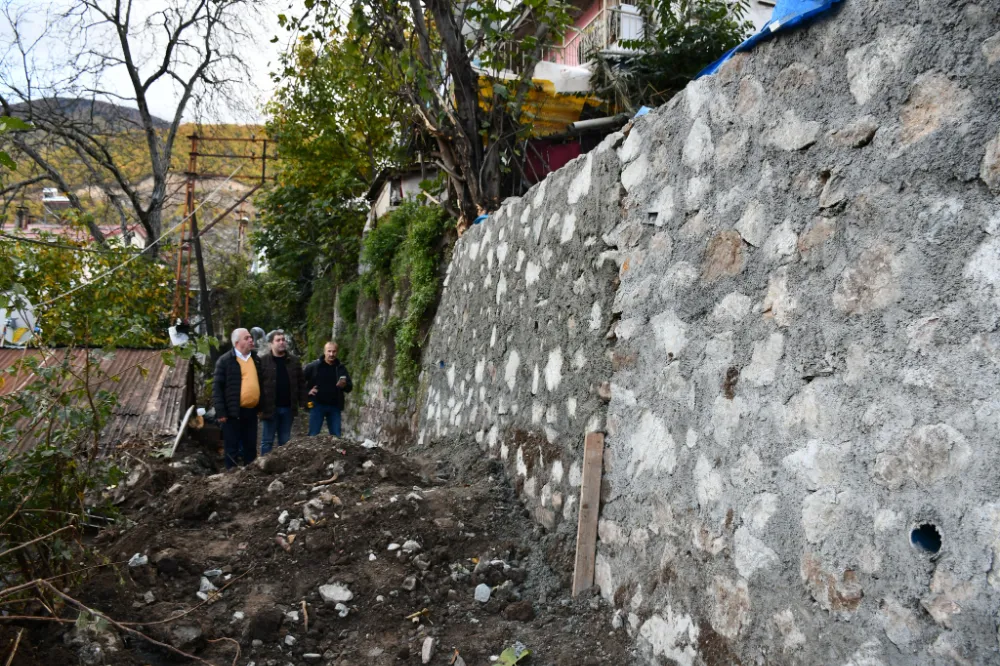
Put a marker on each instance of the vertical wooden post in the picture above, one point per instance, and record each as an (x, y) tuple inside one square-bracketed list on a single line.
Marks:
[(590, 504)]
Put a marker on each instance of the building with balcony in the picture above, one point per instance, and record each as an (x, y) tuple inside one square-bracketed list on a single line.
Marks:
[(605, 26), (566, 121)]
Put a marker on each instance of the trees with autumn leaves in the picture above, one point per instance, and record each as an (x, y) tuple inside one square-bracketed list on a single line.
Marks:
[(128, 312), (60, 69)]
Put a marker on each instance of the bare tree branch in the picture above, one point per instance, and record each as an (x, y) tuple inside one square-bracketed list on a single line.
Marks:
[(189, 46)]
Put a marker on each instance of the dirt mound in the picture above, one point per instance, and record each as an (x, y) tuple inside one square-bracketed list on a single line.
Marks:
[(327, 552)]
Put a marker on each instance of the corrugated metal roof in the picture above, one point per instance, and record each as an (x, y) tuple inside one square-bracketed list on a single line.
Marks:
[(149, 406)]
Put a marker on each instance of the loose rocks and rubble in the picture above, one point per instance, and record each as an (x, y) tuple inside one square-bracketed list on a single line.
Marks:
[(316, 595)]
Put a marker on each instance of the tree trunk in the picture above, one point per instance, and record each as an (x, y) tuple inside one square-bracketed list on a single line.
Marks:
[(468, 146)]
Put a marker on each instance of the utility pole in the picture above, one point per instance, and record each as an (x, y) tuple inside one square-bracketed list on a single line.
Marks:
[(190, 233)]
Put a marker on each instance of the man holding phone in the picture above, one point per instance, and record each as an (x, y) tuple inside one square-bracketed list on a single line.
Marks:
[(328, 381)]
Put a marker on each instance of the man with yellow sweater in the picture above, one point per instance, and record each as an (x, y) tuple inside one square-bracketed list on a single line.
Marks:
[(236, 394)]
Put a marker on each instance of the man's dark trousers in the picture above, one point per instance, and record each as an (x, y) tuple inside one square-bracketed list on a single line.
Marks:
[(328, 413), (279, 425), (240, 437)]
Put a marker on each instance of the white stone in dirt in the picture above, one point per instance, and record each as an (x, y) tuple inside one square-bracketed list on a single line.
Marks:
[(708, 482), (652, 448), (482, 593), (670, 333), (427, 650), (342, 610), (733, 308), (901, 625), (393, 547), (283, 518), (295, 524), (531, 273), (289, 640), (313, 510), (138, 560), (410, 546), (568, 228), (672, 635), (663, 208), (631, 148), (785, 621), (821, 514), (781, 242), (335, 593), (276, 486)]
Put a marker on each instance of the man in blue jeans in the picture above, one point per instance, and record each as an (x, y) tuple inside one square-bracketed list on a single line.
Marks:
[(328, 382), (282, 391)]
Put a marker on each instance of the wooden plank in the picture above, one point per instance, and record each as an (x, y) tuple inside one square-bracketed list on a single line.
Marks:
[(590, 504)]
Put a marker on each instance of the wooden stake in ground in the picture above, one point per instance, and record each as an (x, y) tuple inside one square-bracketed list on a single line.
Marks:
[(590, 503)]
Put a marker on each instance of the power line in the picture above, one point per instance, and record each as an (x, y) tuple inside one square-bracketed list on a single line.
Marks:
[(151, 245)]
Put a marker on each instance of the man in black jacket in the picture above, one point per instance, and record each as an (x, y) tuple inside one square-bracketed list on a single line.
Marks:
[(282, 391), (327, 380), (236, 394)]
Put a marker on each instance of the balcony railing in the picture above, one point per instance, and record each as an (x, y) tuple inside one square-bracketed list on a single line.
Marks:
[(605, 33)]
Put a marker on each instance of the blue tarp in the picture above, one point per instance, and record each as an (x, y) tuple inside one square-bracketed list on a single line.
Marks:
[(787, 14)]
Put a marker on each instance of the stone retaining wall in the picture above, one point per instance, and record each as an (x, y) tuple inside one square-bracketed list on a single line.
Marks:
[(798, 261)]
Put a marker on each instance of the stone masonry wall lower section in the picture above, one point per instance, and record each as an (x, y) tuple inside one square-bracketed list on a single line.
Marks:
[(518, 353), (809, 307)]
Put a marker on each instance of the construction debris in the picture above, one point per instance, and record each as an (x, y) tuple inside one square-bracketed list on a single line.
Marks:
[(463, 552)]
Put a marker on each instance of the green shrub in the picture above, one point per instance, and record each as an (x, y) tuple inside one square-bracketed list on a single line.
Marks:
[(682, 38), (350, 293), (415, 270), (50, 467)]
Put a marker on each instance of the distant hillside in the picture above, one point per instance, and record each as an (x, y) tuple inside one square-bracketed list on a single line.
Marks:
[(109, 115), (125, 140)]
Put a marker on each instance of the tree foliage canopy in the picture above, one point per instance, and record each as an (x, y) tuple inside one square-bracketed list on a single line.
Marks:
[(463, 71), (128, 310)]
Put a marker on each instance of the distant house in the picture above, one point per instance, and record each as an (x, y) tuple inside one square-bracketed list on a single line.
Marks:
[(51, 223), (53, 199), (394, 186)]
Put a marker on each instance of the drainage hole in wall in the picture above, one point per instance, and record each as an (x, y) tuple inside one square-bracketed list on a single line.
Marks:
[(926, 537)]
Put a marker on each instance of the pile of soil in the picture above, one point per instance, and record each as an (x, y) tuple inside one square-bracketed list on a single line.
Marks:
[(327, 552)]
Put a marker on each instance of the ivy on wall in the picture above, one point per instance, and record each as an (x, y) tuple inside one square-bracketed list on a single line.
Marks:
[(403, 256)]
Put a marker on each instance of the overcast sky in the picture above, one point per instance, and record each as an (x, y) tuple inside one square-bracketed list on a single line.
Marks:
[(258, 51)]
